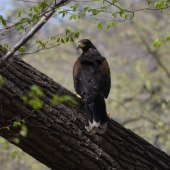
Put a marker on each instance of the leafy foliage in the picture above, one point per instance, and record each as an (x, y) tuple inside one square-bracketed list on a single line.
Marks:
[(2, 20), (57, 99), (157, 43), (33, 98), (139, 97)]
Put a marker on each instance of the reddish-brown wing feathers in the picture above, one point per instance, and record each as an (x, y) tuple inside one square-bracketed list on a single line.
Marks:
[(104, 67), (76, 68)]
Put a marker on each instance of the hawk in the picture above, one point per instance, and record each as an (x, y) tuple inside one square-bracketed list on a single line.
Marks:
[(92, 81)]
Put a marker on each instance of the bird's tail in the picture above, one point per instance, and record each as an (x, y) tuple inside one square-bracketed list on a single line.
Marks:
[(96, 115)]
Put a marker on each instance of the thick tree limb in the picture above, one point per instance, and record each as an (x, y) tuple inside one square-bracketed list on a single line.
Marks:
[(56, 135), (37, 26)]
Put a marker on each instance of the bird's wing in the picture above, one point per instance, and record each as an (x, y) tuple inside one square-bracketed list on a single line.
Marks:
[(100, 83), (105, 69), (92, 84), (78, 78)]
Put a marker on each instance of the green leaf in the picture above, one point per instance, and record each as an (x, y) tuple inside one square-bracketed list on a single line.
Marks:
[(58, 8), (19, 13), (74, 17), (114, 15), (35, 103), (67, 39), (94, 12), (19, 123), (100, 25), (40, 92), (155, 4), (35, 17), (77, 35), (126, 16), (29, 22), (154, 44), (168, 38), (15, 124), (86, 8), (36, 9), (30, 14), (25, 100), (70, 17), (67, 31), (24, 131), (121, 12), (8, 128), (55, 100), (167, 6), (4, 49), (112, 24), (58, 40), (22, 49), (71, 39), (108, 26), (159, 43), (3, 22), (62, 40), (63, 14), (16, 26), (16, 140), (36, 91), (1, 17), (23, 19), (23, 122)]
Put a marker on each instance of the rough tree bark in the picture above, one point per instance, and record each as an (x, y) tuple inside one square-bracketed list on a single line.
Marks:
[(56, 135)]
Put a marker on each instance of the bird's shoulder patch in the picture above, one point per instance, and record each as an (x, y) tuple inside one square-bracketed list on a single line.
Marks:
[(104, 67), (77, 67), (93, 51)]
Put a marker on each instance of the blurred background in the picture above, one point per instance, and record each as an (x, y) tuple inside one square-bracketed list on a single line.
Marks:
[(140, 95)]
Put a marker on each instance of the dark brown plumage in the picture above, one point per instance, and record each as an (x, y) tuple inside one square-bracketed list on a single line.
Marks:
[(91, 74)]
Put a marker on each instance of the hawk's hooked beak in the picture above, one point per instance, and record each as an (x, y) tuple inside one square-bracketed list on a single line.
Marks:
[(78, 46)]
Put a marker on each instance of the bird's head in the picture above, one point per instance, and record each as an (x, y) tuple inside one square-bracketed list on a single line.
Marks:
[(85, 44)]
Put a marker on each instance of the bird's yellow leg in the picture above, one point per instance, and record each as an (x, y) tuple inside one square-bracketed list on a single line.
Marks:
[(108, 116), (80, 97)]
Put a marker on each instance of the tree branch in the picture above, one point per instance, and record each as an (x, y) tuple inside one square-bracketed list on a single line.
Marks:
[(39, 24), (56, 135)]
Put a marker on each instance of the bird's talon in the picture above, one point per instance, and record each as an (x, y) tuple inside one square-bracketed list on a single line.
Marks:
[(108, 116), (78, 95)]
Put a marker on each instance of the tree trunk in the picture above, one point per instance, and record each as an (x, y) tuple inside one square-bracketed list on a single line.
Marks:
[(56, 135)]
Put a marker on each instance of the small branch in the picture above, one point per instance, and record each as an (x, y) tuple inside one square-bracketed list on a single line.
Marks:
[(39, 24)]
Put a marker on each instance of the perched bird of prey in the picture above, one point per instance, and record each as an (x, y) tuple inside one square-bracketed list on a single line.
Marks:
[(92, 81)]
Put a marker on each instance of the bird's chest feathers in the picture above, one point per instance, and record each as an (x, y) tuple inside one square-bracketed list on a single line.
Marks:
[(90, 61)]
